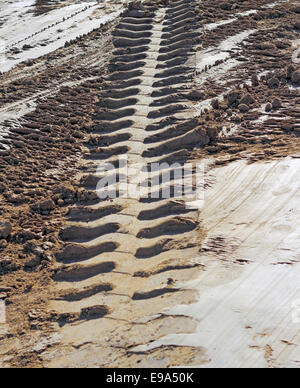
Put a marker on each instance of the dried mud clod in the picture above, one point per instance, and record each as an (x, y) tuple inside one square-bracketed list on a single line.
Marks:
[(258, 118)]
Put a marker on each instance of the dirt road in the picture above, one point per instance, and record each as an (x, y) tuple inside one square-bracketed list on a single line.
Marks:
[(166, 279)]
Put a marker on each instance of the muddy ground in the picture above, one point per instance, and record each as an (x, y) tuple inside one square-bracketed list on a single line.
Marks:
[(89, 282)]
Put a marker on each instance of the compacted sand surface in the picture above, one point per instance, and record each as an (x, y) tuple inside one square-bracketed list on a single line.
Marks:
[(207, 280)]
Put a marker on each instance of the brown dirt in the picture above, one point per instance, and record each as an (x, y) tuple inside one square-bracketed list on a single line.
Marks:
[(47, 148)]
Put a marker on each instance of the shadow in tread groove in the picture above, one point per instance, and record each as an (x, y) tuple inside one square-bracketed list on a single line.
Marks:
[(172, 99), (171, 208), (125, 33), (81, 234), (130, 51), (125, 75), (75, 253), (175, 226), (113, 116), (105, 153), (125, 66), (95, 141), (110, 103), (171, 81), (134, 27), (182, 16), (86, 314), (85, 214), (175, 131), (77, 273), (162, 124), (182, 52), (75, 295), (163, 246), (167, 111), (108, 127), (124, 42), (153, 294), (134, 21), (120, 94)]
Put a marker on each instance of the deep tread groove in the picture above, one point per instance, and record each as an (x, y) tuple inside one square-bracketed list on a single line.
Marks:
[(175, 226), (74, 295), (153, 294), (76, 253), (77, 273), (81, 234)]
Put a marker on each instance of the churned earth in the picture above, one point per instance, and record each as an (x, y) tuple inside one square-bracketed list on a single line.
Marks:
[(208, 280)]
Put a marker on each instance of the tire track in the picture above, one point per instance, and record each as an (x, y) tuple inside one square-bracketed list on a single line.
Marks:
[(112, 246)]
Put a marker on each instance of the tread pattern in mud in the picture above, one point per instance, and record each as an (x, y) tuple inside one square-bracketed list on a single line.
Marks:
[(141, 114)]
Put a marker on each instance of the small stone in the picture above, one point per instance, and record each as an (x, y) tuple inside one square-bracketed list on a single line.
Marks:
[(5, 229), (276, 104), (254, 80), (33, 262), (27, 47), (268, 107), (5, 289), (3, 244), (232, 97), (77, 135), (5, 263), (44, 206), (66, 193), (273, 83), (296, 77), (243, 108), (215, 104), (247, 100), (29, 247), (297, 9), (290, 71), (196, 95)]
